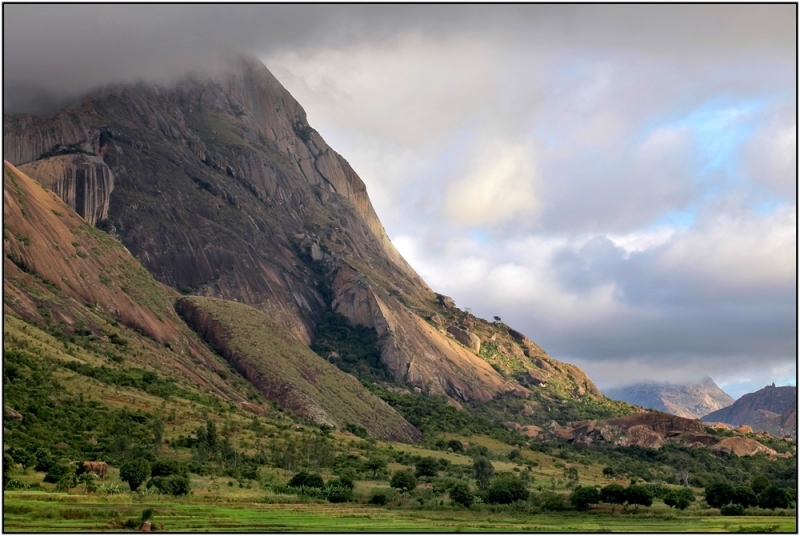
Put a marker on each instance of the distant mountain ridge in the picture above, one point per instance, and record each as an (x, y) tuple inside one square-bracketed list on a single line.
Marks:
[(691, 400), (771, 409)]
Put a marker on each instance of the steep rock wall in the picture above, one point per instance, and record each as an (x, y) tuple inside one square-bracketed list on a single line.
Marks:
[(83, 181)]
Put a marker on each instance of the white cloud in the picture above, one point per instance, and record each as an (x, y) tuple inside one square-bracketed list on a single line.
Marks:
[(498, 186), (743, 252), (771, 155)]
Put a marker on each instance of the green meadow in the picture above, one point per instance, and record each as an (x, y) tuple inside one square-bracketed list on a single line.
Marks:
[(27, 511)]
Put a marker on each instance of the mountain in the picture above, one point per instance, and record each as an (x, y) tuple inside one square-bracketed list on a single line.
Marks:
[(64, 279), (771, 409), (691, 400), (219, 187)]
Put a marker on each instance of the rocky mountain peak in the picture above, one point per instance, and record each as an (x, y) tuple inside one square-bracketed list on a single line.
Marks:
[(220, 187), (690, 400)]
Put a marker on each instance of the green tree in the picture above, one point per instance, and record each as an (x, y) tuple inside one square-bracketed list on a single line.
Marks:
[(44, 460), (732, 510), (135, 472), (308, 480), (506, 489), (680, 499), (571, 474), (60, 471), (168, 468), (375, 464), (342, 482), (685, 498), (8, 463), (483, 471), (455, 445), (170, 485), (759, 484), (719, 494), (22, 456), (773, 497), (461, 494), (338, 494), (158, 432), (745, 496), (87, 479), (427, 467), (613, 494), (583, 497), (211, 439), (608, 471), (404, 480), (638, 495)]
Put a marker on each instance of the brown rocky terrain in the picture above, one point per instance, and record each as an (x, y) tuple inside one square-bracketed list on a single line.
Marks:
[(771, 409), (691, 400), (220, 187), (648, 429), (741, 446)]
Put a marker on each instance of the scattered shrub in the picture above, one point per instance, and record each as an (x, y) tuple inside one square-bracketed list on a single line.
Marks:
[(404, 480), (506, 489), (732, 510), (461, 494), (583, 497), (170, 485), (427, 467), (304, 479), (378, 497)]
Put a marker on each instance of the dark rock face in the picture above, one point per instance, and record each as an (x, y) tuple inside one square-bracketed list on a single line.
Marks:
[(691, 400)]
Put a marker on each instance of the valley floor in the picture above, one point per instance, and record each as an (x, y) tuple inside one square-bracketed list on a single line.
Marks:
[(26, 511)]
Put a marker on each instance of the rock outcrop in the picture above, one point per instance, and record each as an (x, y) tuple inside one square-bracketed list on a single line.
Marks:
[(468, 339), (741, 446), (650, 429)]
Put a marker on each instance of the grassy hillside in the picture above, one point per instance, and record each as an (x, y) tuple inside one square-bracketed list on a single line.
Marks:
[(287, 371)]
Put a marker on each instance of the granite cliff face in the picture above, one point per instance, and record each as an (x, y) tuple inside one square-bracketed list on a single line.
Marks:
[(220, 187), (771, 409), (83, 181), (691, 400)]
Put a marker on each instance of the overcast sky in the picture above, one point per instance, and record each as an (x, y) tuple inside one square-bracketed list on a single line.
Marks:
[(617, 182)]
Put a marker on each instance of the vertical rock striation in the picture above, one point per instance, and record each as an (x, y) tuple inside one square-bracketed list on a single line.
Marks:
[(83, 181)]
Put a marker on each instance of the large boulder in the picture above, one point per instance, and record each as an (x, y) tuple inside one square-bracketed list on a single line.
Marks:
[(642, 436), (530, 430), (741, 446), (467, 338)]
